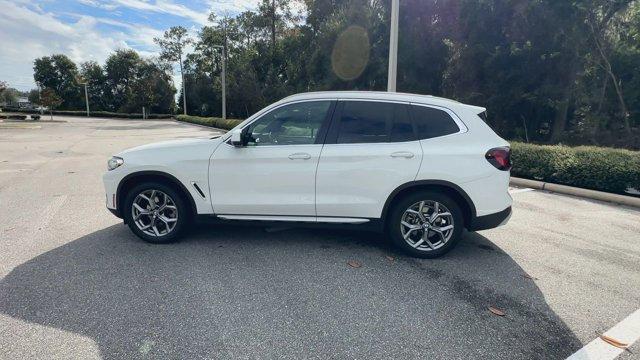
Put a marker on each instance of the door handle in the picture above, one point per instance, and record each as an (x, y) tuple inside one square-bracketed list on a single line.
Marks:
[(300, 156), (402, 154)]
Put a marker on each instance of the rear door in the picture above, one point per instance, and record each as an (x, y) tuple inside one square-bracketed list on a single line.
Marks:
[(371, 149)]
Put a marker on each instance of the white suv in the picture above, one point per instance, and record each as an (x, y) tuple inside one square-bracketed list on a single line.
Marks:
[(419, 167)]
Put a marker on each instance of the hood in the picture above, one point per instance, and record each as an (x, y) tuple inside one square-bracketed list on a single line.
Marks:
[(173, 144)]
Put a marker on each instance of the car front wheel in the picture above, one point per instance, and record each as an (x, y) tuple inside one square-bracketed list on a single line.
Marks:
[(426, 224), (156, 213)]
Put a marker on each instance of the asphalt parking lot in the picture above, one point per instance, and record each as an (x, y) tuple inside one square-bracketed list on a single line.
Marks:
[(76, 283)]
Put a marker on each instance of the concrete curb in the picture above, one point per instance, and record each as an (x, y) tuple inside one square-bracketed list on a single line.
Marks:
[(569, 190)]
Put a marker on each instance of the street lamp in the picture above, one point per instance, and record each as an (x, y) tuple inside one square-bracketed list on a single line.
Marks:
[(223, 81), (86, 96), (393, 47)]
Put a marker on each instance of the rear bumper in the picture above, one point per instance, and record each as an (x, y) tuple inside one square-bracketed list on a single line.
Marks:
[(490, 221)]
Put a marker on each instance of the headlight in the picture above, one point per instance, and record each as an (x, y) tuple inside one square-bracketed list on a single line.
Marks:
[(114, 162)]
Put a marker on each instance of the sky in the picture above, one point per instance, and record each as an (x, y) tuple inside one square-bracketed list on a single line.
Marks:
[(92, 29)]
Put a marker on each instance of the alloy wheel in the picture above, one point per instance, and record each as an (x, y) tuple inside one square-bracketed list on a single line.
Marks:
[(154, 213), (427, 225)]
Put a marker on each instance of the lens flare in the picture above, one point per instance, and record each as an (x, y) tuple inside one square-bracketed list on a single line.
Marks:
[(350, 54)]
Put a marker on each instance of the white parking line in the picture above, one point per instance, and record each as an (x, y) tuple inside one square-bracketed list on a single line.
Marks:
[(517, 191), (626, 331)]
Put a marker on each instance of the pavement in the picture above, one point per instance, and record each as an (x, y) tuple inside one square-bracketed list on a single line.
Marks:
[(75, 283)]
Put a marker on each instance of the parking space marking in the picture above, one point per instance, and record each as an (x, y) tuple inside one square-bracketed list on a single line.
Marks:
[(517, 191), (627, 331)]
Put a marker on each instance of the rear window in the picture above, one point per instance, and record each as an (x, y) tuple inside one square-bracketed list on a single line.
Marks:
[(374, 122), (431, 122)]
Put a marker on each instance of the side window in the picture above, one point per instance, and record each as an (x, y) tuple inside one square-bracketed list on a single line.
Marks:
[(374, 122), (402, 128), (431, 122), (295, 124)]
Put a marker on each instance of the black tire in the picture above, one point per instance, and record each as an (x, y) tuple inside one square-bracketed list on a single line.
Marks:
[(398, 210), (184, 213)]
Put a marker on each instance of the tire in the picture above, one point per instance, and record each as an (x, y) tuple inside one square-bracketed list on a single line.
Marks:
[(170, 222), (404, 220)]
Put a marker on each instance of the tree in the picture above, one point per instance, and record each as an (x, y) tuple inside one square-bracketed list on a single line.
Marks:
[(151, 89), (120, 73), (34, 96), (548, 71), (9, 96), (598, 19), (97, 85), (50, 99), (172, 46), (59, 73)]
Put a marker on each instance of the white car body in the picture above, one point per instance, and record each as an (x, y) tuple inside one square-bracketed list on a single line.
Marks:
[(351, 183)]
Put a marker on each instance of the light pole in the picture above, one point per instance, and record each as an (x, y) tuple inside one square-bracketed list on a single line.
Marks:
[(393, 47), (86, 97), (223, 81)]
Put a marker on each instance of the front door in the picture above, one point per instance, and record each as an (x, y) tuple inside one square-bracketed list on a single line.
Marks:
[(274, 174)]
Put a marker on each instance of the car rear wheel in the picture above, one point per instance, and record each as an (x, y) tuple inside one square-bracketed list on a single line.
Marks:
[(425, 224), (156, 212)]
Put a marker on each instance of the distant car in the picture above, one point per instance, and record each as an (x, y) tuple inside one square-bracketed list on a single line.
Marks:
[(420, 168)]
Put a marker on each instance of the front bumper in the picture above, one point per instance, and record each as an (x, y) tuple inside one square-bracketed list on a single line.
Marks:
[(111, 179), (115, 212), (490, 221)]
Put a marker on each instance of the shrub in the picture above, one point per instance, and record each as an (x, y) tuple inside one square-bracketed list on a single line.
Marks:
[(219, 123), (95, 114), (598, 168)]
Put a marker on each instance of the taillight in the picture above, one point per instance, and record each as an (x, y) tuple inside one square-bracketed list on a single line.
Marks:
[(500, 158)]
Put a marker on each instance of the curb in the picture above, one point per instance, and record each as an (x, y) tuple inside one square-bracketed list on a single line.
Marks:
[(569, 190)]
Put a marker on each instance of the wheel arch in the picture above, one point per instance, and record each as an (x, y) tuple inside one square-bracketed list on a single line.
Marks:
[(456, 192), (135, 178)]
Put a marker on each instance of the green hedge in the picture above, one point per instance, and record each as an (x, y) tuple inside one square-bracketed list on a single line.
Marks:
[(598, 168), (210, 121), (108, 114)]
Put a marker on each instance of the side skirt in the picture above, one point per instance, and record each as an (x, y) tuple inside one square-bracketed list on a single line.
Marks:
[(372, 225)]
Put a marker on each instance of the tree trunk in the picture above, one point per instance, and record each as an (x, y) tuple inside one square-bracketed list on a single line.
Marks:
[(616, 84), (603, 93), (623, 104), (560, 121)]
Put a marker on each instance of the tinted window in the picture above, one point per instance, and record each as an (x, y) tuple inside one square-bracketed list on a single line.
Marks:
[(432, 122), (402, 128), (294, 124), (374, 122), (364, 122)]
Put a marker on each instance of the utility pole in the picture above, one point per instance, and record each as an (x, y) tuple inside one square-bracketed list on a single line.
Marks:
[(393, 47), (184, 89), (40, 99), (86, 98), (223, 80)]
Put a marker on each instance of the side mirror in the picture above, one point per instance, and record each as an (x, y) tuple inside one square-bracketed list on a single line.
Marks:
[(236, 138)]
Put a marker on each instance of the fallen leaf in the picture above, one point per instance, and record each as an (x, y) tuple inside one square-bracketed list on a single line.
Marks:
[(390, 258), (527, 276), (614, 342), (354, 263), (496, 311)]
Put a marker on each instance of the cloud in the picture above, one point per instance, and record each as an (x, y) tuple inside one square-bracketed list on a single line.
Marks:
[(28, 33), (92, 29), (165, 7)]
